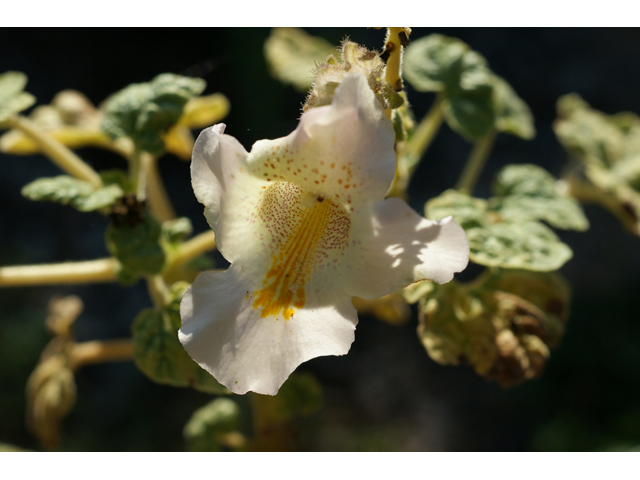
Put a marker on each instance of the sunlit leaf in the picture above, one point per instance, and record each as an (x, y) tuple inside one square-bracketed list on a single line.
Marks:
[(496, 241), (144, 111), (292, 56), (66, 190), (12, 97), (528, 192)]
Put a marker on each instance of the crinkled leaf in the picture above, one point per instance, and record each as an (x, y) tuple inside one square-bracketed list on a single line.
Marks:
[(145, 111), (71, 191), (502, 323), (137, 245), (528, 192), (469, 212), (512, 113), (159, 354), (292, 56), (433, 62), (12, 97), (526, 245), (590, 134), (608, 147), (205, 427), (500, 242)]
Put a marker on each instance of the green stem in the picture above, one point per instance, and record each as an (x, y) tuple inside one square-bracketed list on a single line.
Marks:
[(103, 270), (136, 175), (409, 156), (475, 163), (57, 152), (158, 291), (159, 202)]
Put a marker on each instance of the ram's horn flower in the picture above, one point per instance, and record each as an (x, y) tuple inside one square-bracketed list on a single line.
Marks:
[(305, 225)]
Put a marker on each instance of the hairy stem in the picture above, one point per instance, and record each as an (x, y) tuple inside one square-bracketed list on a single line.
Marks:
[(70, 272), (100, 351), (57, 152), (393, 44), (159, 202), (409, 156), (475, 163)]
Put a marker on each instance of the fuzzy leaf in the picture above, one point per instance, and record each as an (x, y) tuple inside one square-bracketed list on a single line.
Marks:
[(293, 55), (12, 97), (433, 62), (496, 241), (136, 245), (512, 113), (144, 111), (76, 193), (203, 430), (159, 354), (528, 192), (525, 245)]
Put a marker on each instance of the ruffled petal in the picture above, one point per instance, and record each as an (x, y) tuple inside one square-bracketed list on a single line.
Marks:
[(343, 151), (393, 247), (223, 332), (222, 185)]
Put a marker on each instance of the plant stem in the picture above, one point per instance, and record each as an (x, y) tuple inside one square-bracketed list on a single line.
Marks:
[(57, 152), (159, 202), (475, 163), (158, 290), (409, 156), (70, 272), (393, 70), (192, 248), (137, 176), (100, 351)]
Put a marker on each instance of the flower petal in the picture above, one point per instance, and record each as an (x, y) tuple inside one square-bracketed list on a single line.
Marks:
[(343, 151), (394, 246), (220, 183), (227, 336)]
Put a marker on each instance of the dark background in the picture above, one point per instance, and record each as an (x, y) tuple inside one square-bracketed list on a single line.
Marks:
[(386, 394)]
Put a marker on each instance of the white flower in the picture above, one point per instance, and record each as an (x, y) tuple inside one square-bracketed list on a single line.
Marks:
[(305, 225)]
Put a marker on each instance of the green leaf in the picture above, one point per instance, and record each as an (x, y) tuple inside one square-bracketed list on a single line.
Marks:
[(476, 99), (469, 212), (12, 97), (470, 115), (470, 109), (608, 148), (528, 192), (71, 191), (292, 56), (159, 354), (144, 111), (496, 241), (137, 245), (175, 231), (433, 62), (512, 113), (525, 245), (205, 427)]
